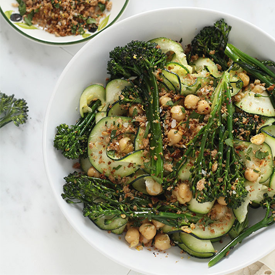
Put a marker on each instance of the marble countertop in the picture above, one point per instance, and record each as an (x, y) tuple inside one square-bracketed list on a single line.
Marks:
[(35, 237)]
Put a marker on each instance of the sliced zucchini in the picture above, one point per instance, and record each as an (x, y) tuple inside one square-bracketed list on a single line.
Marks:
[(193, 246), (272, 181), (235, 82), (257, 157), (139, 184), (85, 164), (113, 90), (269, 133), (110, 222), (135, 157), (168, 229), (184, 172), (177, 68), (97, 146), (116, 110), (119, 230), (168, 45), (205, 63), (139, 138), (255, 194), (99, 116), (256, 105), (201, 208), (90, 94), (216, 229), (199, 246), (185, 86)]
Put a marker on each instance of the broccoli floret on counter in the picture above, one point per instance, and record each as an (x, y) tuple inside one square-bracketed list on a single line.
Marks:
[(12, 109)]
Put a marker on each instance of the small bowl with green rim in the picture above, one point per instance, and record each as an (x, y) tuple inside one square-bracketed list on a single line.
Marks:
[(36, 33)]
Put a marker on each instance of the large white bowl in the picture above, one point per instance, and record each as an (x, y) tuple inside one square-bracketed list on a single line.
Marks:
[(89, 66)]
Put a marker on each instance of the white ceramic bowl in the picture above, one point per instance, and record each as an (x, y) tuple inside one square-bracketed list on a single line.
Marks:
[(39, 35), (89, 66)]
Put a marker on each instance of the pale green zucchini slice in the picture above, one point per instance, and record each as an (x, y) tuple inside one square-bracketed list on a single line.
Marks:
[(256, 191), (216, 229), (113, 90), (252, 104), (168, 45), (257, 157), (90, 94), (97, 146)]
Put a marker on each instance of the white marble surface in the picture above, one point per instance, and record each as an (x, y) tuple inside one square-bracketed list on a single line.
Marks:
[(35, 237)]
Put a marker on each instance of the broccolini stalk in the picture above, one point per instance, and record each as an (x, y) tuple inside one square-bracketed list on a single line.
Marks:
[(199, 170), (268, 220), (72, 140), (254, 67), (216, 171), (141, 59), (12, 109), (102, 197)]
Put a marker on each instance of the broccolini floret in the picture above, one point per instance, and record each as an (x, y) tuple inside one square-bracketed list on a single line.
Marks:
[(72, 141), (102, 197), (142, 59), (12, 109), (211, 42)]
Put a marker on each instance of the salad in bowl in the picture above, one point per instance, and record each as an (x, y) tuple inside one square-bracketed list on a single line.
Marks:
[(172, 151)]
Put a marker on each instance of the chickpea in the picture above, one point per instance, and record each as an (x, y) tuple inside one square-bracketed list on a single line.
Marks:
[(153, 188), (132, 236), (157, 224), (135, 109), (258, 89), (148, 231), (218, 211), (258, 139), (185, 192), (203, 107), (125, 145), (245, 79), (191, 101), (174, 136), (182, 193), (92, 172), (163, 100), (251, 175), (177, 112), (143, 240), (221, 201), (162, 241)]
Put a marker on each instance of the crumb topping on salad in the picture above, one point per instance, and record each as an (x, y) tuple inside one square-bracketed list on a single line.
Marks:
[(176, 146)]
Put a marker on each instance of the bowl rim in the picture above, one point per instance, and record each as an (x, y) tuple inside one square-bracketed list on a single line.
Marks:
[(68, 217), (63, 43)]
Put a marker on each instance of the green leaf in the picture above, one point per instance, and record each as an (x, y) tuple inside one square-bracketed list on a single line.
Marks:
[(25, 26), (90, 20), (103, 23), (85, 35), (101, 6), (8, 14), (229, 142), (169, 103), (261, 155), (21, 7)]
